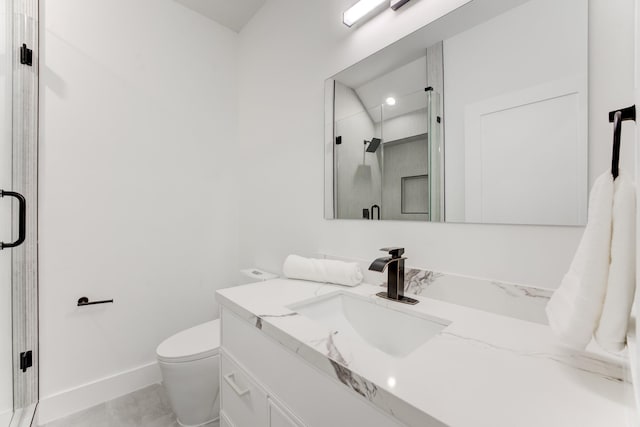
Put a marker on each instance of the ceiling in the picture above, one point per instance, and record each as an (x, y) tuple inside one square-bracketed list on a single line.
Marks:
[(405, 84), (232, 14)]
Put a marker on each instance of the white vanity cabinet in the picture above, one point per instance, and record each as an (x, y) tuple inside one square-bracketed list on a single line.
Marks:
[(264, 384), (281, 417)]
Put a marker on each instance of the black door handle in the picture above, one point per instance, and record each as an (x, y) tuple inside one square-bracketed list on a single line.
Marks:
[(22, 220)]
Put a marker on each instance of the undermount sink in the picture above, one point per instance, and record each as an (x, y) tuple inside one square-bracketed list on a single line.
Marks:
[(395, 332)]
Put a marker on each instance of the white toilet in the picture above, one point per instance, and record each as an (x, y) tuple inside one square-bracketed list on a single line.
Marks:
[(190, 366)]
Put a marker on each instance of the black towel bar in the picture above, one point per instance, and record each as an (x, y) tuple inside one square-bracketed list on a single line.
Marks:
[(84, 301), (628, 113), (617, 117)]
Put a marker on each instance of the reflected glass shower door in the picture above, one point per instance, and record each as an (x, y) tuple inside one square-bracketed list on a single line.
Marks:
[(6, 344), (436, 156)]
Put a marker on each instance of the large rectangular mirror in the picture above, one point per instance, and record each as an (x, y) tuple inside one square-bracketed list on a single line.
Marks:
[(479, 117)]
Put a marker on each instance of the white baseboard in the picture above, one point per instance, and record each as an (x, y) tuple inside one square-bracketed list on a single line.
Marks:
[(70, 401)]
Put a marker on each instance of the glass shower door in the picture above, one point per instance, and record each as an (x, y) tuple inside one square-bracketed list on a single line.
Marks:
[(18, 212), (6, 344)]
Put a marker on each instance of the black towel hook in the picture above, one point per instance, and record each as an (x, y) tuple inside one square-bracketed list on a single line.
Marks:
[(617, 117)]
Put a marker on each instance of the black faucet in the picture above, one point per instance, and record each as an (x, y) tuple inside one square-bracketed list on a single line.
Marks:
[(395, 280)]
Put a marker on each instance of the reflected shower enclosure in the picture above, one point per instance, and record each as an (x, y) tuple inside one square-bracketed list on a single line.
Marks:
[(387, 146)]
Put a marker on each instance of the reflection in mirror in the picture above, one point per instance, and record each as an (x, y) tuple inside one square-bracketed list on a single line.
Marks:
[(478, 117)]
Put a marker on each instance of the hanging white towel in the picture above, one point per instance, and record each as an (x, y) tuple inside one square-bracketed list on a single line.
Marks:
[(614, 321), (322, 270), (575, 308)]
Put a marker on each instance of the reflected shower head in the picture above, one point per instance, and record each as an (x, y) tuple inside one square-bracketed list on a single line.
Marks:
[(373, 145)]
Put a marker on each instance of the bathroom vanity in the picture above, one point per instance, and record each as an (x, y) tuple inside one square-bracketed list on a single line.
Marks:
[(298, 353)]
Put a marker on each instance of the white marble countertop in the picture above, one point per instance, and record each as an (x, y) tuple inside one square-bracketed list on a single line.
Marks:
[(483, 369)]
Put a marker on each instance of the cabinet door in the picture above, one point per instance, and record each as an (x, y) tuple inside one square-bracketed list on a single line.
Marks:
[(244, 403), (280, 417)]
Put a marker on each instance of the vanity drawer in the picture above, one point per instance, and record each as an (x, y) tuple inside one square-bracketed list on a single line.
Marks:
[(243, 402), (281, 417)]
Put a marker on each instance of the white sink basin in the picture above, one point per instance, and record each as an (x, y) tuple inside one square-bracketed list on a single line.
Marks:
[(395, 332)]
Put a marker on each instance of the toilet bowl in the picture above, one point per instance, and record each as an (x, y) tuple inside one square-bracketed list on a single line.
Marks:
[(189, 362)]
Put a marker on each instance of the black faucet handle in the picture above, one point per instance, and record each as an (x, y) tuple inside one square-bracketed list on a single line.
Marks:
[(394, 252)]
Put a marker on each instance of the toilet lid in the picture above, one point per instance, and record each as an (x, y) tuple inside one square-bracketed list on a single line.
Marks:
[(191, 344)]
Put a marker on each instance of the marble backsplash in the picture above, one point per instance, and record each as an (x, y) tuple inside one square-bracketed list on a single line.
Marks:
[(507, 299)]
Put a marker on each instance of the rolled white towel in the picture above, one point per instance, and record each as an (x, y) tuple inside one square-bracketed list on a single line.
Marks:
[(322, 270), (621, 285)]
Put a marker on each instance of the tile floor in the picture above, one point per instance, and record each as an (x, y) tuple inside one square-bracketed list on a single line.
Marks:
[(5, 418), (148, 407)]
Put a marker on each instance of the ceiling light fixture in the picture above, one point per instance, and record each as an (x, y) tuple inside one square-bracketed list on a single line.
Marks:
[(391, 101), (360, 10)]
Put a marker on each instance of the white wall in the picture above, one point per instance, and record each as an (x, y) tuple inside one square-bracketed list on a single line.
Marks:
[(286, 53), (611, 80), (138, 144)]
